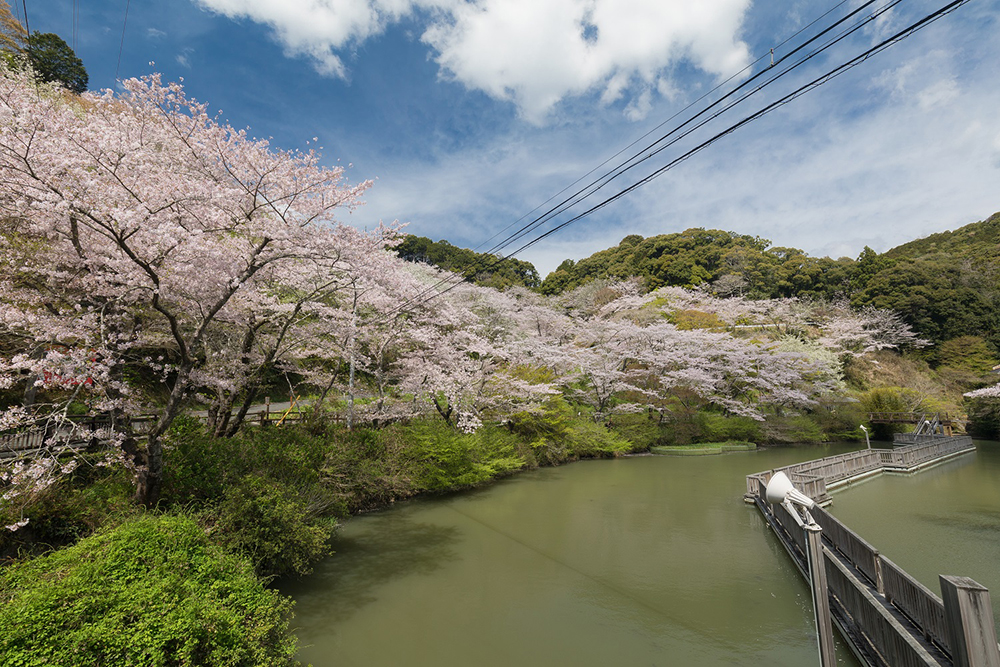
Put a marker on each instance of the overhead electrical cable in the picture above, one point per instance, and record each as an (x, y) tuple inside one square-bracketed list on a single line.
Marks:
[(595, 185), (802, 90), (650, 150), (27, 29), (815, 83), (121, 46), (664, 122)]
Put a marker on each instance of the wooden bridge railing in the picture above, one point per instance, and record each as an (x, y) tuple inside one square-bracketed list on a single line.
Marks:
[(916, 601), (856, 549), (71, 432), (861, 601)]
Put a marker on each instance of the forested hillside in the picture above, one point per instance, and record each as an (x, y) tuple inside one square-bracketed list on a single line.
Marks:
[(481, 268), (946, 286), (733, 264)]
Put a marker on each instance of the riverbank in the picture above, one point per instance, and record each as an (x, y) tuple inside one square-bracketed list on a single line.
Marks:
[(272, 498)]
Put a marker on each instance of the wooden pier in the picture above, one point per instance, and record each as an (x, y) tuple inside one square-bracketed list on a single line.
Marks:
[(887, 617)]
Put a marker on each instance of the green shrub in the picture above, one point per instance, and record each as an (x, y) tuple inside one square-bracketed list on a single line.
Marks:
[(196, 465), (153, 591), (200, 467), (794, 429), (448, 459), (261, 493), (367, 468), (715, 427), (644, 430), (840, 420), (585, 439), (984, 417), (280, 531), (561, 432)]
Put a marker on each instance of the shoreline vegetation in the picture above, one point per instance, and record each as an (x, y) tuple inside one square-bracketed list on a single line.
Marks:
[(237, 512)]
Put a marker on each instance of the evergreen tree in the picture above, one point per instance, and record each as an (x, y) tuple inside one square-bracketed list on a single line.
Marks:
[(54, 61)]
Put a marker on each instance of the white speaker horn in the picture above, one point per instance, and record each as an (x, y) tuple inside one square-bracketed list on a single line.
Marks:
[(780, 488)]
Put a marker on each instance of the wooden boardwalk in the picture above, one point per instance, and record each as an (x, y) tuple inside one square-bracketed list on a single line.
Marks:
[(887, 617)]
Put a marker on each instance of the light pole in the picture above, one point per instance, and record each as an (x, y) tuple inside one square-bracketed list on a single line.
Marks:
[(867, 441), (780, 491)]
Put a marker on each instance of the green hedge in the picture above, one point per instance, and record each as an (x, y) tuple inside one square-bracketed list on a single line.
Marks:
[(153, 591)]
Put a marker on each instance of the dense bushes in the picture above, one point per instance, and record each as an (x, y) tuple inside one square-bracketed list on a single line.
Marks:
[(561, 432), (260, 494), (153, 591)]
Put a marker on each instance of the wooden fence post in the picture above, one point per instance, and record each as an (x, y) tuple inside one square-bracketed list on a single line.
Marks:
[(820, 594), (969, 616)]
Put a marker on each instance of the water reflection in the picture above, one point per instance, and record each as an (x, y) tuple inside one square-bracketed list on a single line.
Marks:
[(389, 546)]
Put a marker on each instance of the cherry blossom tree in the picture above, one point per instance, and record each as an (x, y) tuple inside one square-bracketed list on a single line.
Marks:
[(148, 216), (858, 332)]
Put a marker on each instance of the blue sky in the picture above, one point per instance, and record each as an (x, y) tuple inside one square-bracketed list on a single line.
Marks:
[(471, 113)]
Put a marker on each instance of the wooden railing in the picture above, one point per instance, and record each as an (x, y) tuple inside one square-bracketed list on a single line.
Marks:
[(859, 552), (894, 648), (814, 477), (71, 432), (916, 601), (908, 417), (862, 602)]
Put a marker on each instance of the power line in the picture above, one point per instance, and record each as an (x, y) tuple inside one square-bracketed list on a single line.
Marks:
[(650, 150), (678, 113), (815, 83), (24, 4), (121, 47), (802, 90), (639, 157)]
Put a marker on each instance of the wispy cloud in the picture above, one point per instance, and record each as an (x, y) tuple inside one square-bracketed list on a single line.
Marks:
[(184, 58)]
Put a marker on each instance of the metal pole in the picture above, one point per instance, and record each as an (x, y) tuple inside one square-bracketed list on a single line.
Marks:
[(821, 599)]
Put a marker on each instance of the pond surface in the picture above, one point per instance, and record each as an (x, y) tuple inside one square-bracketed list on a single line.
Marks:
[(640, 561)]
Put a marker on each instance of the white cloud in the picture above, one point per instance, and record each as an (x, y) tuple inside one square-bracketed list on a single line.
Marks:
[(315, 28), (153, 33), (938, 93), (533, 53)]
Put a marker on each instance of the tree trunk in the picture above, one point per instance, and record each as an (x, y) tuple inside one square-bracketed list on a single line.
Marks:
[(150, 477), (445, 413), (237, 420)]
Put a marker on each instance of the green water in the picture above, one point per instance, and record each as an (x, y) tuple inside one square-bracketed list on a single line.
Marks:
[(642, 561)]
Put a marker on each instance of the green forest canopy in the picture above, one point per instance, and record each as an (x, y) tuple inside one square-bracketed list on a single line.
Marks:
[(946, 285)]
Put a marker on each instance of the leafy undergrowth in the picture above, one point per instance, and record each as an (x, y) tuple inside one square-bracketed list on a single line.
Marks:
[(152, 591)]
